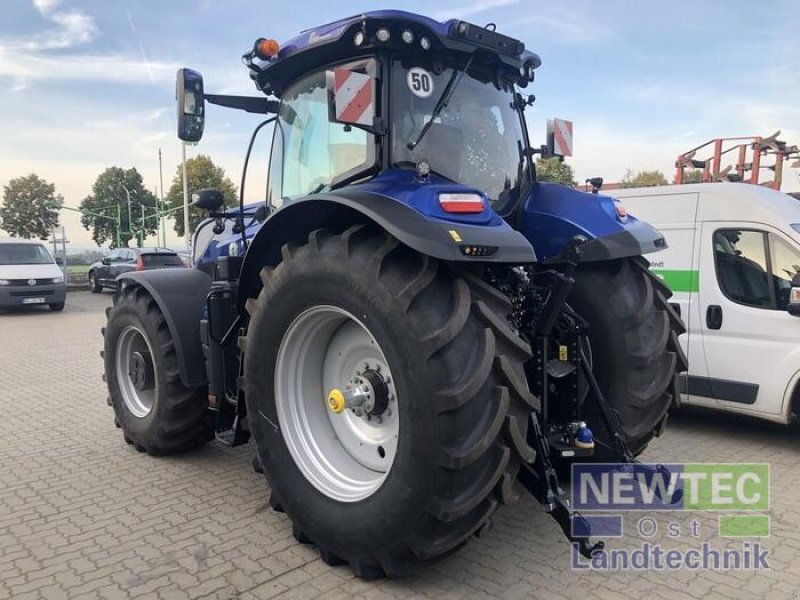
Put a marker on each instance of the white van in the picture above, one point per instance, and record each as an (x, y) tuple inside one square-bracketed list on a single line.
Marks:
[(29, 275), (733, 251)]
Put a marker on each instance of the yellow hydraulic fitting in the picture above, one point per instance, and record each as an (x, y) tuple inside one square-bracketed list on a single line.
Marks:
[(336, 400)]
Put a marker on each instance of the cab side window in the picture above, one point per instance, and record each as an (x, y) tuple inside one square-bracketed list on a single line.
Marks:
[(784, 265), (741, 261)]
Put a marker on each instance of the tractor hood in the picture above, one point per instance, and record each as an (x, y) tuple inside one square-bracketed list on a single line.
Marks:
[(554, 214)]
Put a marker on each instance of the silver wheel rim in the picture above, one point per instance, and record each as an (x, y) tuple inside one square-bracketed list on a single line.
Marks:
[(136, 372), (345, 456)]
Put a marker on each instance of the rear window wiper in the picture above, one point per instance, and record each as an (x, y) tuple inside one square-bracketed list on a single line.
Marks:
[(455, 80)]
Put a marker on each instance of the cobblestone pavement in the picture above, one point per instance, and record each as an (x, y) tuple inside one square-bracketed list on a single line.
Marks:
[(86, 516)]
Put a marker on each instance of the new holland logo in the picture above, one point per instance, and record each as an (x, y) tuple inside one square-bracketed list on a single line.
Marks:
[(31, 282)]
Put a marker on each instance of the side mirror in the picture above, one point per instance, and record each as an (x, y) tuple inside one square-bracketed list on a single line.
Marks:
[(59, 261), (794, 297), (106, 261), (209, 199), (191, 105), (261, 213)]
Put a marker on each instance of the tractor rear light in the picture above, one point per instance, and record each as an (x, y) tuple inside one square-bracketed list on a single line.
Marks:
[(383, 34), (622, 212), (461, 203), (425, 43), (407, 36), (478, 250), (139, 263)]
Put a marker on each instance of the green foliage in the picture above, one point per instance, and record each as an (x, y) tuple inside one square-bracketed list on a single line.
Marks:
[(201, 173), (30, 207), (692, 176), (643, 179), (109, 200), (554, 170)]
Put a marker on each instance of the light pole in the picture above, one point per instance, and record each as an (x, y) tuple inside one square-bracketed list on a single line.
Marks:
[(185, 201), (162, 220)]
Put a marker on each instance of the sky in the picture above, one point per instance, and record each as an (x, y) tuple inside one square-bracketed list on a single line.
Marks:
[(89, 84)]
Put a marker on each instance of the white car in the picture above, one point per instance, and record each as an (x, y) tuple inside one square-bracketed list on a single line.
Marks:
[(29, 275), (734, 249)]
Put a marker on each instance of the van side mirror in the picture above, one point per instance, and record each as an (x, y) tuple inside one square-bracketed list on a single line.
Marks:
[(59, 261), (794, 297), (209, 199), (191, 105)]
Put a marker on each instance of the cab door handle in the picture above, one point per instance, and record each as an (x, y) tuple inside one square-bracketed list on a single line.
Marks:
[(714, 316)]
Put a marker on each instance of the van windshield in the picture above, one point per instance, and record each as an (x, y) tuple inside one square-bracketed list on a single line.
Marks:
[(24, 254)]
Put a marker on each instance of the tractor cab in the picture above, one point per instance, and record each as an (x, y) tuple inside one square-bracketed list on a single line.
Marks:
[(388, 91)]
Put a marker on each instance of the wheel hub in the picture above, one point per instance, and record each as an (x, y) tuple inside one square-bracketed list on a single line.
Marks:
[(141, 370), (366, 394), (136, 372)]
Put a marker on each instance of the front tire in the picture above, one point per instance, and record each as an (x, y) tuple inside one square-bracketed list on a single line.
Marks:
[(634, 347), (454, 378), (94, 285), (57, 307), (157, 413)]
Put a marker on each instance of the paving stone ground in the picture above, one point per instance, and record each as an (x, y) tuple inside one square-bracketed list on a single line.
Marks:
[(83, 515)]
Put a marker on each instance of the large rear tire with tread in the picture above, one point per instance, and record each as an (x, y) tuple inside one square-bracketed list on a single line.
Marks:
[(462, 402), (635, 351), (157, 413)]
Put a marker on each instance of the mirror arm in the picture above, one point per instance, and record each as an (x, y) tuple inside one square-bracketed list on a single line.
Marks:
[(249, 104)]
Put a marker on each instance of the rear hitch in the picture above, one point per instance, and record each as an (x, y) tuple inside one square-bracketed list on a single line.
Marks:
[(621, 452), (541, 480)]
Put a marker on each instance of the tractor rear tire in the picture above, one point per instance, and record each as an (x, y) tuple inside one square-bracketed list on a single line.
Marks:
[(458, 407), (157, 413), (635, 351)]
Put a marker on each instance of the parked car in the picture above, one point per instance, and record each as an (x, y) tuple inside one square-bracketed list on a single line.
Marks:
[(29, 275), (734, 249), (103, 274)]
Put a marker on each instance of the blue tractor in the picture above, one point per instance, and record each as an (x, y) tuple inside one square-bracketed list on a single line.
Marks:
[(411, 327)]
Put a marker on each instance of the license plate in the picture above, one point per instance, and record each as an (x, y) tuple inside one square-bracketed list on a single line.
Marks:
[(33, 300)]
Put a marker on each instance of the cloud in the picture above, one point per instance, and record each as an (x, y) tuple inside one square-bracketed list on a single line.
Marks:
[(469, 10), (73, 28), (24, 68), (45, 6)]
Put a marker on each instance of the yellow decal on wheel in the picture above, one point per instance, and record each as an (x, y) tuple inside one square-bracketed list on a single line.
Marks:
[(563, 354)]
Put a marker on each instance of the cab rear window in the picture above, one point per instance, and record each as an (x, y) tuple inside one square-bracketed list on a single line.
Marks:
[(161, 260)]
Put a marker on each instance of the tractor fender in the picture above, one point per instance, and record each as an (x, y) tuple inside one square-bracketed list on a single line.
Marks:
[(554, 214), (181, 297), (433, 237)]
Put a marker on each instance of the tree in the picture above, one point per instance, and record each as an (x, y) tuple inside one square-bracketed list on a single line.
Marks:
[(30, 207), (201, 173), (643, 179), (692, 176), (554, 171), (109, 200)]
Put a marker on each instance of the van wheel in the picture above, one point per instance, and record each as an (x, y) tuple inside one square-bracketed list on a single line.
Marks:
[(635, 350), (57, 307)]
